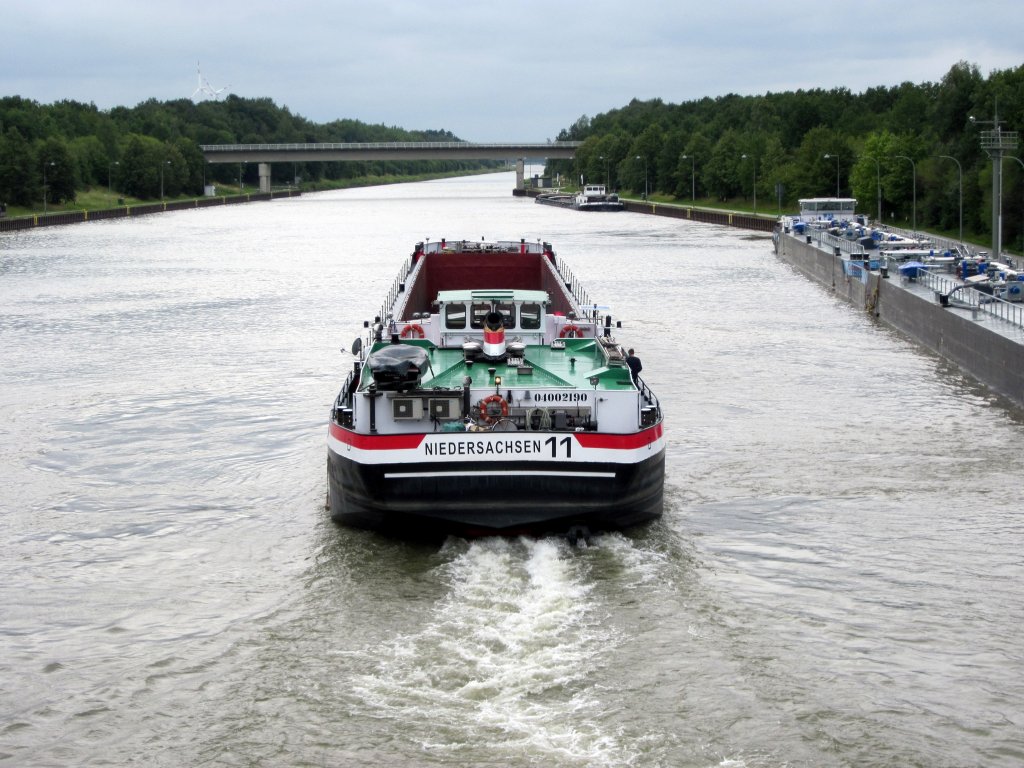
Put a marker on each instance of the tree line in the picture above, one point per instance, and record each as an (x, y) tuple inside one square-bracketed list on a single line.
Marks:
[(902, 149), (154, 147)]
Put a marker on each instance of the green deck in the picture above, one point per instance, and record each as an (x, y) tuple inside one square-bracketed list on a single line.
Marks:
[(550, 368)]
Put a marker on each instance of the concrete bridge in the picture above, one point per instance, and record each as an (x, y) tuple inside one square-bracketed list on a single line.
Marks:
[(265, 154)]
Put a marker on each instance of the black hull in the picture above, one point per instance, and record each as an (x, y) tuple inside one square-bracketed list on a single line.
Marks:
[(481, 503), (566, 202)]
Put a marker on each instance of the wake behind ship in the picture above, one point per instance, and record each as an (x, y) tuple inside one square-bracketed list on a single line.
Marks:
[(490, 397)]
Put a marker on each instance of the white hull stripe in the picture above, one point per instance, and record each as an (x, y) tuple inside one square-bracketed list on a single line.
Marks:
[(490, 473), (567, 448)]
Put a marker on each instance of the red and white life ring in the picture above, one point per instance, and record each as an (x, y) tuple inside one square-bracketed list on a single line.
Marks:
[(571, 332), (412, 330), (499, 409)]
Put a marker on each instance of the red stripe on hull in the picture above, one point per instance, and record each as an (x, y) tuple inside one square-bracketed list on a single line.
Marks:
[(376, 442), (620, 442), (412, 441)]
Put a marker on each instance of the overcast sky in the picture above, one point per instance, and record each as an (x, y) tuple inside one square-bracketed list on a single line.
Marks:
[(518, 70)]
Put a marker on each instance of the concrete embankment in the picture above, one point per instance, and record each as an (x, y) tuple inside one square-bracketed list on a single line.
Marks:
[(127, 211), (690, 213), (703, 215), (990, 356)]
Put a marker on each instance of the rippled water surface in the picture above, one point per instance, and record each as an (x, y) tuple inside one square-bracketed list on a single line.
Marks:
[(836, 580)]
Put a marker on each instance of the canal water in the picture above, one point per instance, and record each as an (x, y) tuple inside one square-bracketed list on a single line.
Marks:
[(835, 582)]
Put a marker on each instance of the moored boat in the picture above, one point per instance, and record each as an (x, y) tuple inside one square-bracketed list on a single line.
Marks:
[(489, 396), (594, 197), (558, 199), (963, 305)]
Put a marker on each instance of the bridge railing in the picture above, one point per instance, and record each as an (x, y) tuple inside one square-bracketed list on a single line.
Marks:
[(357, 146)]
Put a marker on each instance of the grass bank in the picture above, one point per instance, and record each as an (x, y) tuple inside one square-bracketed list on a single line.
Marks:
[(98, 198)]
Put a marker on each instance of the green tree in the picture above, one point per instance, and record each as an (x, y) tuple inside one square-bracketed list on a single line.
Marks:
[(721, 173), (18, 163), (638, 168), (59, 170), (91, 160), (140, 170), (695, 154)]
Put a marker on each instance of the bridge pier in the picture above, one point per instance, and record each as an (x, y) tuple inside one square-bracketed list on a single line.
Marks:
[(265, 154)]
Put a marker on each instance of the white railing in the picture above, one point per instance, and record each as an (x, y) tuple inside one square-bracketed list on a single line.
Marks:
[(939, 279), (334, 146), (830, 242), (959, 294)]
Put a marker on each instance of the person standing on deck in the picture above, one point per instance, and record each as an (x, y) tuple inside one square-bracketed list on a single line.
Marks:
[(635, 366)]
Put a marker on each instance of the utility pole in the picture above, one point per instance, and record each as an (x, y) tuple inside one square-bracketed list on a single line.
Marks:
[(995, 143)]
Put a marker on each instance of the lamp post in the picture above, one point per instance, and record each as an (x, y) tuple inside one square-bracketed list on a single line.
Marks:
[(830, 155), (110, 166), (693, 178), (995, 143), (960, 178), (878, 186), (607, 173), (744, 157), (645, 174), (913, 170), (162, 164), (51, 164)]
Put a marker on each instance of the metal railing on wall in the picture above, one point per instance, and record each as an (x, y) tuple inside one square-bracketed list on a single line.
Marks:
[(957, 294)]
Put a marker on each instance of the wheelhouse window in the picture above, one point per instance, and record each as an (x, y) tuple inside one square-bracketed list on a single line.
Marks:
[(508, 314), (455, 316), (477, 315), (529, 316)]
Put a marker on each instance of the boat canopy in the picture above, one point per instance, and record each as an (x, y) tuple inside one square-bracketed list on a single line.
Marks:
[(827, 207)]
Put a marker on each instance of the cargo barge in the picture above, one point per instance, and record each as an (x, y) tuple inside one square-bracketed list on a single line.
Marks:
[(489, 396)]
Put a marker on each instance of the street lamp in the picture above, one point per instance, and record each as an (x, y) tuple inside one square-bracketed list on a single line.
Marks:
[(744, 157), (165, 162), (51, 164), (607, 173), (996, 142), (827, 156), (960, 176), (913, 170), (645, 174), (693, 178), (109, 167), (878, 186)]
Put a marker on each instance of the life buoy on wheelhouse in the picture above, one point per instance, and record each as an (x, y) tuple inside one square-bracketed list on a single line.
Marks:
[(412, 330), (571, 332), (493, 407)]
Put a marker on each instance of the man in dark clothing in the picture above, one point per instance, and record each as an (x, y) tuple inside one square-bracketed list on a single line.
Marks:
[(635, 366)]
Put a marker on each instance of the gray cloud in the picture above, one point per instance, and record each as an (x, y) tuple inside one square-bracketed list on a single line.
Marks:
[(488, 71)]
